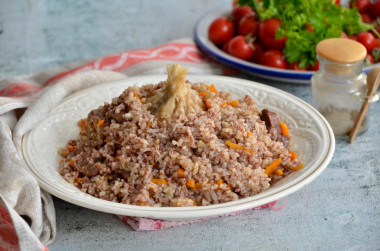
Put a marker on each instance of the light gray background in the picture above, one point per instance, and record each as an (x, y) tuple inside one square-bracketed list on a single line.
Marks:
[(338, 211)]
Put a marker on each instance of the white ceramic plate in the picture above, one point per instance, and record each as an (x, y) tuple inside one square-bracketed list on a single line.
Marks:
[(311, 135), (201, 38)]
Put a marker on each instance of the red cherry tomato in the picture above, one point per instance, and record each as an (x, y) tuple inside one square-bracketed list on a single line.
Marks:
[(220, 30), (369, 60), (273, 58), (366, 39), (240, 11), (377, 43), (225, 45), (353, 37), (258, 51), (374, 9), (295, 66), (267, 34), (376, 51), (314, 67), (248, 25), (361, 5), (366, 18), (240, 48)]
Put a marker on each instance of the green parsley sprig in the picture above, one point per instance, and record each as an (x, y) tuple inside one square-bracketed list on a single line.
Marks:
[(307, 22)]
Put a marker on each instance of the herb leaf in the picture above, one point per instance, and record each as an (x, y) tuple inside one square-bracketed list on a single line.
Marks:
[(323, 17)]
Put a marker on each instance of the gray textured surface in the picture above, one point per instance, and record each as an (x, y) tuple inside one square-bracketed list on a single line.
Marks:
[(338, 211)]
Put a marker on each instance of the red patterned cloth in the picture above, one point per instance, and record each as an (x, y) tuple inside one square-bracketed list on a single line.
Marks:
[(132, 62), (146, 224), (7, 231)]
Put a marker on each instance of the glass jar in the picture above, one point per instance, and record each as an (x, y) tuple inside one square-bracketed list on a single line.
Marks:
[(338, 90)]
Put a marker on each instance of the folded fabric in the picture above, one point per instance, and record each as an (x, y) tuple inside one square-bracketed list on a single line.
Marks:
[(27, 216), (146, 224)]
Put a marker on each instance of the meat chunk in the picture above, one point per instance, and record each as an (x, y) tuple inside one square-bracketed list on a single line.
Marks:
[(118, 117), (90, 170), (124, 174), (95, 122), (272, 122), (285, 140), (87, 162)]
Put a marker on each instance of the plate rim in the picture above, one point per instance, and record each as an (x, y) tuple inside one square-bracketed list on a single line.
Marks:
[(197, 212)]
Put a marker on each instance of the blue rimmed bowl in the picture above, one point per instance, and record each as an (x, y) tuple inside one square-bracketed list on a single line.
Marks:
[(202, 40)]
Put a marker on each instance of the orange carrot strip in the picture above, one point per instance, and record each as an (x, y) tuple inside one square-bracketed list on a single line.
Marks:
[(233, 145), (191, 184), (272, 166), (70, 148), (300, 166), (223, 104), (279, 172), (236, 146), (78, 180), (250, 134), (181, 173), (194, 202), (247, 150), (198, 185), (293, 155), (203, 94), (234, 102), (208, 103), (137, 96), (158, 181), (82, 124), (284, 129), (71, 163), (229, 187), (212, 88), (219, 182), (100, 122)]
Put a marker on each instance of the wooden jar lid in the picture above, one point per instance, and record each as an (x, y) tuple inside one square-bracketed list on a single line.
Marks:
[(341, 50)]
